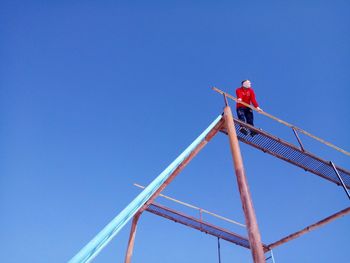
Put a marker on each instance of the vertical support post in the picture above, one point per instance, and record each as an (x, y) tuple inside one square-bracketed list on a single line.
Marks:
[(219, 250), (340, 179), (201, 214), (132, 238), (256, 247)]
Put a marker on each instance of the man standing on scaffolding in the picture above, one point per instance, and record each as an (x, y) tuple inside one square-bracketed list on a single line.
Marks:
[(246, 94)]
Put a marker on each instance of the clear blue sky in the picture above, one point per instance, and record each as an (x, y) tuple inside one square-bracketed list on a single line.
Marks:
[(98, 95)]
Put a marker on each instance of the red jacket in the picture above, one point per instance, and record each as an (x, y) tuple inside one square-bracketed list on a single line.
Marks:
[(247, 96)]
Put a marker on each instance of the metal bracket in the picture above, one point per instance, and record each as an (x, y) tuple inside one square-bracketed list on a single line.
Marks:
[(340, 179), (299, 141)]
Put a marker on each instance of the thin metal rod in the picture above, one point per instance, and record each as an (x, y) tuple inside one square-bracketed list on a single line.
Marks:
[(273, 258), (299, 141), (131, 242), (249, 213), (219, 250), (309, 228), (340, 179), (182, 165)]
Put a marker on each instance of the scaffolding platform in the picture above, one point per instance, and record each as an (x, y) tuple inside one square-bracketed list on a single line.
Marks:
[(200, 225), (290, 153)]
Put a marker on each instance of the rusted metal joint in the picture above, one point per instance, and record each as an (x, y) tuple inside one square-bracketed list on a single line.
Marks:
[(340, 179), (299, 141)]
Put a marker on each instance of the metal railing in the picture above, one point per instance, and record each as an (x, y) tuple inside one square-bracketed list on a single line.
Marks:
[(200, 210), (293, 127)]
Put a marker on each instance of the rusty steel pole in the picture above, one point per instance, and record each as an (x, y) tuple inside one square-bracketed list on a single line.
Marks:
[(256, 246), (132, 238), (309, 228)]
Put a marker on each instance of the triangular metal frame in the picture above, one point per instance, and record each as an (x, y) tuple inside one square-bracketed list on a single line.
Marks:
[(254, 237), (224, 123), (227, 124)]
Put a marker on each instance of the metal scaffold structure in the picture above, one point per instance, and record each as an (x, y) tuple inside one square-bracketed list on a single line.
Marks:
[(225, 123)]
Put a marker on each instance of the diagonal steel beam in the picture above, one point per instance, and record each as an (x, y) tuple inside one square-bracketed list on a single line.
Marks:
[(132, 238), (186, 161), (200, 146), (309, 228)]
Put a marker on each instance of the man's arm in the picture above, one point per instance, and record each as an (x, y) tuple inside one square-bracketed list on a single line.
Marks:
[(255, 103)]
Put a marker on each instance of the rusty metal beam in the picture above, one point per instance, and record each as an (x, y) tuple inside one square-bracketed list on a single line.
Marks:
[(200, 146), (257, 249), (309, 228), (131, 242)]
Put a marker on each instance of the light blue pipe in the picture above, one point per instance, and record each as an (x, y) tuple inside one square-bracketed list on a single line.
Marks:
[(91, 250)]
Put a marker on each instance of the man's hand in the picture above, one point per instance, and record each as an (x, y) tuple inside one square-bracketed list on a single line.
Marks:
[(239, 99), (259, 110)]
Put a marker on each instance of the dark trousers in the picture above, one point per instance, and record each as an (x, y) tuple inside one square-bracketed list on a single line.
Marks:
[(246, 115)]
